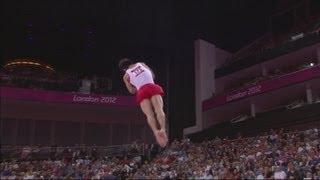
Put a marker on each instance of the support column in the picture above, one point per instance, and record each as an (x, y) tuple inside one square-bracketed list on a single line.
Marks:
[(144, 134), (83, 129), (207, 57), (107, 135), (15, 132), (52, 133), (318, 55), (253, 109), (264, 70), (110, 134), (167, 100), (32, 132), (129, 133), (309, 94), (1, 130)]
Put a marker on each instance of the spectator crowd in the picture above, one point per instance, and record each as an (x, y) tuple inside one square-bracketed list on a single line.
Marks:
[(276, 155), (246, 82), (79, 162), (57, 81)]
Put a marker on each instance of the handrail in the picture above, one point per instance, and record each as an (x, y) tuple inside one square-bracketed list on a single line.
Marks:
[(247, 138), (42, 153), (265, 55), (268, 78), (65, 147)]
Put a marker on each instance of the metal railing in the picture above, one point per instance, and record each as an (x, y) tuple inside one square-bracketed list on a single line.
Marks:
[(42, 153)]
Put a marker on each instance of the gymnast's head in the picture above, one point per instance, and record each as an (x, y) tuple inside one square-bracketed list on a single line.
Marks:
[(124, 63)]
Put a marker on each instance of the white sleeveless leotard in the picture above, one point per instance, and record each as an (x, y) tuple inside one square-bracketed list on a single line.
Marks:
[(140, 75)]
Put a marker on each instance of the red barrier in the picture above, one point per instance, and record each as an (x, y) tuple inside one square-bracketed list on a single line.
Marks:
[(66, 97)]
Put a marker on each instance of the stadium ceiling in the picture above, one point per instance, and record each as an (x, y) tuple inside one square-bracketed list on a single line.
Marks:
[(84, 35)]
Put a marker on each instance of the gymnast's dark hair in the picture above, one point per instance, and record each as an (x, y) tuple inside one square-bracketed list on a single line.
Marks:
[(125, 63)]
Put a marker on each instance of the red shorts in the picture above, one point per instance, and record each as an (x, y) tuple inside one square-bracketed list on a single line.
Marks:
[(147, 91)]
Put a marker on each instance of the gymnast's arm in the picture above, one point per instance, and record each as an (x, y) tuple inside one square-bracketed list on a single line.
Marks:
[(130, 87), (149, 69)]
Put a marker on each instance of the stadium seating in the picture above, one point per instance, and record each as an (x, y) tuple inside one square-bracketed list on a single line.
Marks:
[(276, 155)]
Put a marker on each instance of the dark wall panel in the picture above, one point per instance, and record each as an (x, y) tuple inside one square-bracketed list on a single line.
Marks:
[(120, 134), (137, 132), (7, 131), (42, 132), (67, 133), (96, 134), (24, 132)]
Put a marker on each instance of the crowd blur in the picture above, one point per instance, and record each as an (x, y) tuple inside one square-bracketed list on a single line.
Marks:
[(273, 40), (58, 81), (276, 42), (271, 74), (79, 162), (277, 155), (32, 78)]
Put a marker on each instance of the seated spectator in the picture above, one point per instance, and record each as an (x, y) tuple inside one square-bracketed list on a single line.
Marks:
[(276, 155)]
